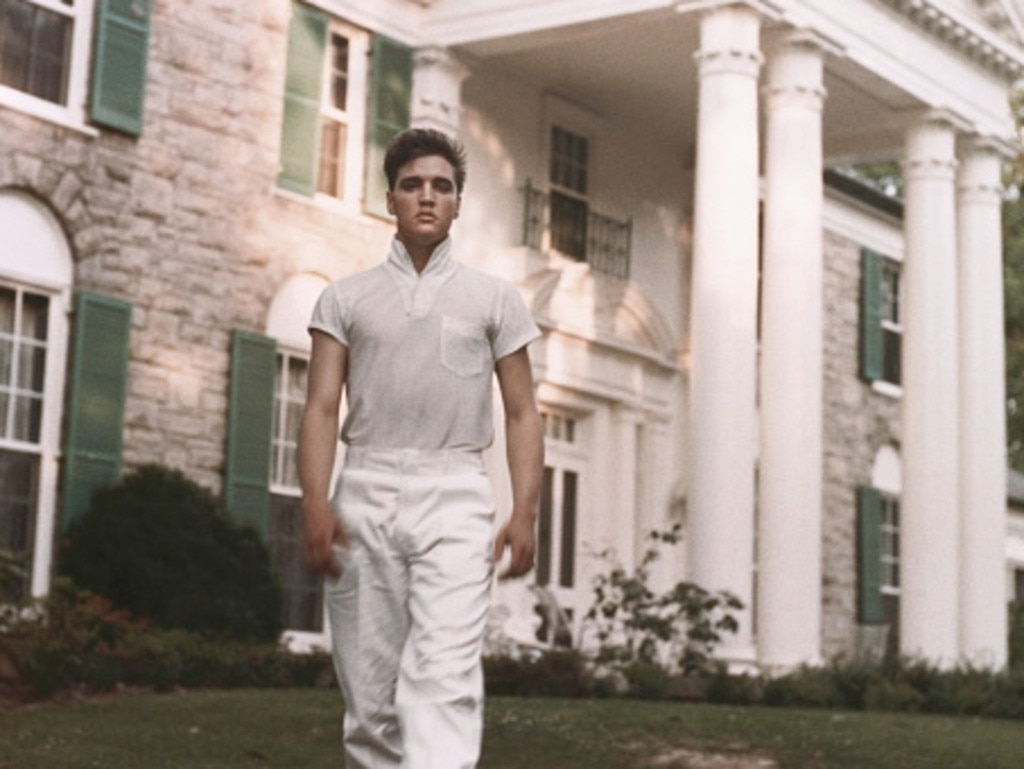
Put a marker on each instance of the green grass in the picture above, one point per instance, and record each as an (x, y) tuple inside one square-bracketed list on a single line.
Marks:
[(302, 728)]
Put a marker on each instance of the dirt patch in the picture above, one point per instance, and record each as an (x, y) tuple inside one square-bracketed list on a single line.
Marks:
[(686, 758)]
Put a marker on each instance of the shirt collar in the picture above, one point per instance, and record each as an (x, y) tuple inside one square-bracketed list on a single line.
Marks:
[(440, 262)]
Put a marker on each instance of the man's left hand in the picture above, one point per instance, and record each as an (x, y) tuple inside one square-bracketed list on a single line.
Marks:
[(517, 535)]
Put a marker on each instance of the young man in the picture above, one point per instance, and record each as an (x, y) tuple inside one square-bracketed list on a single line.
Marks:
[(407, 541)]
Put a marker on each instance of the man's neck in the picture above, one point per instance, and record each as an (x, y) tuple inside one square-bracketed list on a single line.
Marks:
[(420, 253)]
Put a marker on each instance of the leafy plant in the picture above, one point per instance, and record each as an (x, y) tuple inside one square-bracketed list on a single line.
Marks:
[(636, 628), (164, 548)]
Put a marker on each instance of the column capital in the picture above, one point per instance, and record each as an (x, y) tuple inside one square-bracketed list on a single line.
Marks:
[(437, 86), (980, 178), (931, 145), (796, 71), (769, 9), (730, 42)]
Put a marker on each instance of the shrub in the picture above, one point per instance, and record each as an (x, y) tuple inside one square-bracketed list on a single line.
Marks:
[(76, 639), (554, 673), (164, 548), (635, 628)]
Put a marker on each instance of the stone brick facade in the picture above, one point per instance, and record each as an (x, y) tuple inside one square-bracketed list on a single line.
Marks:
[(857, 422)]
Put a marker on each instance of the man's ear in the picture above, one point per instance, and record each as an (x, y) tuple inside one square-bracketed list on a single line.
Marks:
[(458, 206), (391, 203)]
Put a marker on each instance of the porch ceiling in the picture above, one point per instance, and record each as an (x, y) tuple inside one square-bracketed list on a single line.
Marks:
[(638, 73)]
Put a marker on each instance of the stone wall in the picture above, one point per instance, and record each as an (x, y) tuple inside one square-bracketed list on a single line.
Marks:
[(858, 421), (185, 222)]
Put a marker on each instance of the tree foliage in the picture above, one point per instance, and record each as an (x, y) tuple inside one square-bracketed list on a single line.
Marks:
[(163, 548)]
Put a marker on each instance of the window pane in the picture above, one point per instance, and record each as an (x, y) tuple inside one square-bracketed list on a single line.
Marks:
[(297, 371), (31, 367), (7, 305), (339, 72), (28, 416), (35, 315), (567, 563), (19, 495), (569, 226), (50, 49), (331, 180), (544, 526), (303, 596), (34, 49), (6, 362), (892, 341)]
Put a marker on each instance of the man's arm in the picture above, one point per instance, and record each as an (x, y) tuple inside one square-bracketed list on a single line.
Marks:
[(318, 443), (525, 452)]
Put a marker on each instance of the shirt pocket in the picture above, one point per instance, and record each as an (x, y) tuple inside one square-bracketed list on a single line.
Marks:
[(464, 349)]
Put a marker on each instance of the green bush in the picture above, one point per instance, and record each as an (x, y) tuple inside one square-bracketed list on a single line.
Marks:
[(76, 639), (555, 673), (164, 548)]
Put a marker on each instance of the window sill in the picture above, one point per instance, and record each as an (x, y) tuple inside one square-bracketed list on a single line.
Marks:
[(888, 389), (44, 110), (325, 203)]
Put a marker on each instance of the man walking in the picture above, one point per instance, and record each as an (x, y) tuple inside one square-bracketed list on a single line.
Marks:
[(407, 541)]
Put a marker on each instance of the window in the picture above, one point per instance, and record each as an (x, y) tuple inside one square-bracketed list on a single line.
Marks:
[(60, 57), (878, 548), (561, 218), (881, 318), (303, 596), (567, 176), (347, 94), (890, 583), (557, 528), (35, 41), (341, 113), (24, 335)]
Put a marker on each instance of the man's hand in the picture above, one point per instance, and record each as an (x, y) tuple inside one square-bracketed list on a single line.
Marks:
[(322, 529), (517, 535)]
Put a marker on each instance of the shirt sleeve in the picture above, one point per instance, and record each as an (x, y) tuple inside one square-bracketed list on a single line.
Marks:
[(329, 314), (514, 326)]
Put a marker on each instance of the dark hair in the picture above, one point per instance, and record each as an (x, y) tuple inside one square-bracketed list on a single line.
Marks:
[(423, 142)]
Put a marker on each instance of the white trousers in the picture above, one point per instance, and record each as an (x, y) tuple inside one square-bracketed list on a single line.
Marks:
[(409, 610)]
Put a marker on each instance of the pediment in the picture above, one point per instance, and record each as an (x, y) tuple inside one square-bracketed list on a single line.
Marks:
[(1004, 17), (605, 310)]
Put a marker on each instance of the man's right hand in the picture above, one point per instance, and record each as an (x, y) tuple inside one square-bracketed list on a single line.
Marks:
[(322, 529)]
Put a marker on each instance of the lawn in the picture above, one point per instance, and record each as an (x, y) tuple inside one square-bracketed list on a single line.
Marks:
[(302, 728)]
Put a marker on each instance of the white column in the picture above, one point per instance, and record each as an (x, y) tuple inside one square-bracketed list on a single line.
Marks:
[(722, 440), (929, 521), (790, 479), (437, 90), (983, 639)]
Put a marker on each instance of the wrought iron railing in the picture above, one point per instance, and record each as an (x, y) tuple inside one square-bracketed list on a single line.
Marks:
[(556, 222)]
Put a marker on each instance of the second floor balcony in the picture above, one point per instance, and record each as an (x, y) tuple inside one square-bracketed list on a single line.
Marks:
[(555, 222)]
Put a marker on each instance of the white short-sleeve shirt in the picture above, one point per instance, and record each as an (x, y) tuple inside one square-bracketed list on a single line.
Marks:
[(422, 349)]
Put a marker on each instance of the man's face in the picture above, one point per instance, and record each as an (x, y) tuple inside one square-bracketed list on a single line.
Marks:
[(424, 201)]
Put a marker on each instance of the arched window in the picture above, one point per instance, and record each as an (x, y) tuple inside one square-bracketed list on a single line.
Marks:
[(35, 280), (287, 322), (879, 545)]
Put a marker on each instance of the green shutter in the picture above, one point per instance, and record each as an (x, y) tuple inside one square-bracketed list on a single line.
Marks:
[(250, 428), (300, 131), (390, 101), (871, 607), (97, 390), (872, 342), (119, 64)]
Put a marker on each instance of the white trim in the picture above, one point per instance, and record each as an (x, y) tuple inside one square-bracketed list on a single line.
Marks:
[(73, 113)]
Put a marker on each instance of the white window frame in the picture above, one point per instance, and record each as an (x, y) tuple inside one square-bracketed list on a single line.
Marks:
[(36, 231), (892, 267), (74, 113), (565, 441), (354, 118)]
